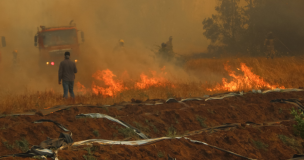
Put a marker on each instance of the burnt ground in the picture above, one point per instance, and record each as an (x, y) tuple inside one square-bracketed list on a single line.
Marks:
[(272, 141)]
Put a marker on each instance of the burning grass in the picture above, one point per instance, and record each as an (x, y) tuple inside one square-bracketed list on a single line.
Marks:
[(231, 75), (284, 71), (31, 101)]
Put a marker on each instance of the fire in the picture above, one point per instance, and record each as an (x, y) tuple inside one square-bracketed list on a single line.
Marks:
[(114, 86), (249, 80), (156, 80), (80, 88), (107, 84)]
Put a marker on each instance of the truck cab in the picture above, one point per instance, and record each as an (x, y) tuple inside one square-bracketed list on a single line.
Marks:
[(53, 42)]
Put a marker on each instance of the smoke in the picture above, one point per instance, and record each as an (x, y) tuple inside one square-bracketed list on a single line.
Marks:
[(141, 24)]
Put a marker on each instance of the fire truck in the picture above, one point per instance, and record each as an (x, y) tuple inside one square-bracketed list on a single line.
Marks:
[(53, 42)]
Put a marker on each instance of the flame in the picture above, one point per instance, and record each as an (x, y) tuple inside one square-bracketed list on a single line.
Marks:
[(107, 77), (249, 80), (106, 85), (80, 88), (156, 80)]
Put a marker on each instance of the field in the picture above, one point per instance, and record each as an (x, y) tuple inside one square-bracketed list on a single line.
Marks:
[(262, 129), (205, 76)]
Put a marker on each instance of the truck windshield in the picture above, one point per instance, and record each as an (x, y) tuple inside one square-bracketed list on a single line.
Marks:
[(59, 37)]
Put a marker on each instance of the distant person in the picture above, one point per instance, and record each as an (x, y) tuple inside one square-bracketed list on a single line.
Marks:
[(120, 47), (269, 46), (15, 56), (169, 45), (66, 73), (121, 42), (163, 51), (163, 48), (166, 50)]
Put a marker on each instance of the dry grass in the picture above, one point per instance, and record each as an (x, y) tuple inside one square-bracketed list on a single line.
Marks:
[(286, 71), (39, 100)]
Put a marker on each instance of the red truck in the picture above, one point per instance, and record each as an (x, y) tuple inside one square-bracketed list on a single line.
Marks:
[(53, 42)]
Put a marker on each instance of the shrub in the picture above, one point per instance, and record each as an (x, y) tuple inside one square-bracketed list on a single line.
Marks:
[(160, 154), (96, 133), (201, 121), (299, 118), (259, 144), (23, 145), (171, 132)]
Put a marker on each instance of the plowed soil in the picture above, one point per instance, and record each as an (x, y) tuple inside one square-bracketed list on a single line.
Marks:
[(275, 141)]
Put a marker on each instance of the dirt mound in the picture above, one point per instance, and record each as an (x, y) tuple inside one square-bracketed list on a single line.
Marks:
[(253, 142), (276, 141)]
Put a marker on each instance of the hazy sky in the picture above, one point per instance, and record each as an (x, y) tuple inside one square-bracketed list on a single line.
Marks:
[(142, 24), (138, 22)]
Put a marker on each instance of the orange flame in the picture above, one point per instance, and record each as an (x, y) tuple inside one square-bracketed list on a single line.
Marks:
[(107, 77), (249, 80), (80, 88), (106, 85), (155, 80)]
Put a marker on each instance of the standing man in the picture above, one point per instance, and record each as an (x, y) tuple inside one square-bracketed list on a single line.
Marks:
[(66, 73), (169, 50), (269, 46), (169, 45), (15, 56), (120, 47)]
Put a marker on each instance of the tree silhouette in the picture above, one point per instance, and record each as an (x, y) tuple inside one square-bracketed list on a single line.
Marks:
[(243, 29)]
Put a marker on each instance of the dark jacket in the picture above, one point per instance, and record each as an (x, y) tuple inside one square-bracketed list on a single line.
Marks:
[(67, 70)]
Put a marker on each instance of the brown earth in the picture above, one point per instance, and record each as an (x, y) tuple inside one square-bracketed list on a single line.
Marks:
[(253, 141), (240, 140)]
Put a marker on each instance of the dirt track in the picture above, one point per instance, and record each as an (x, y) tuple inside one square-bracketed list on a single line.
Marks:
[(173, 119)]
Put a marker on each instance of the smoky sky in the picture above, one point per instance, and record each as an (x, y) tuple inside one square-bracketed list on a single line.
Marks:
[(142, 25), (147, 22)]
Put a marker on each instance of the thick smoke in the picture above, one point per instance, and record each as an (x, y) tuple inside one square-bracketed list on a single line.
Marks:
[(142, 24)]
